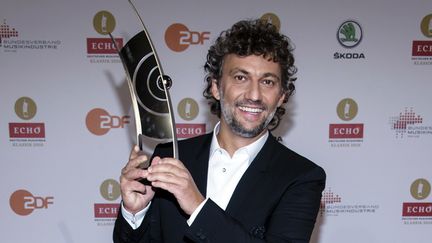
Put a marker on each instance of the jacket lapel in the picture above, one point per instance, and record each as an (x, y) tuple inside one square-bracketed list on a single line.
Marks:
[(252, 176), (198, 166)]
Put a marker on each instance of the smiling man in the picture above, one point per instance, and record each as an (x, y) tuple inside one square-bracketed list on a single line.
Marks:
[(236, 184), (249, 91)]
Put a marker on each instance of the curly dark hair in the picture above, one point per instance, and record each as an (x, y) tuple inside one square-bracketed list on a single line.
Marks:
[(251, 37)]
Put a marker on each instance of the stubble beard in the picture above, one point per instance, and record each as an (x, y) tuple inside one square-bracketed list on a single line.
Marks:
[(236, 127)]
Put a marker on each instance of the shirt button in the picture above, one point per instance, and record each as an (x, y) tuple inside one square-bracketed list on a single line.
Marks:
[(223, 170)]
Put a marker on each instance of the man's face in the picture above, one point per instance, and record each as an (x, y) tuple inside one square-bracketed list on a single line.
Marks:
[(250, 90)]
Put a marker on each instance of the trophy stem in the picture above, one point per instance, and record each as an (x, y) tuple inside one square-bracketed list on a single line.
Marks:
[(132, 95), (171, 113)]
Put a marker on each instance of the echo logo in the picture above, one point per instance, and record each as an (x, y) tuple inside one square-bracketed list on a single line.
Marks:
[(189, 130), (104, 22), (106, 210), (23, 202), (99, 121), (422, 48), (25, 108), (347, 110), (110, 189), (420, 190), (272, 19), (426, 26), (26, 130), (188, 109), (178, 37), (346, 130), (103, 45)]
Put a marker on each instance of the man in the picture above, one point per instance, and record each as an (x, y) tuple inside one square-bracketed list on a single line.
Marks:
[(237, 184)]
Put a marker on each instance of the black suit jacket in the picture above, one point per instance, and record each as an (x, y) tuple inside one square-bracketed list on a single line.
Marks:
[(276, 200)]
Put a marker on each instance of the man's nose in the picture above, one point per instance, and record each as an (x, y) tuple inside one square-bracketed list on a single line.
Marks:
[(253, 91)]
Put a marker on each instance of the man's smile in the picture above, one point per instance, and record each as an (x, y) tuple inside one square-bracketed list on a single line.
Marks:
[(251, 109)]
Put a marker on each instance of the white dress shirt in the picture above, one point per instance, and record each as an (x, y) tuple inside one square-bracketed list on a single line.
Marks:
[(224, 173)]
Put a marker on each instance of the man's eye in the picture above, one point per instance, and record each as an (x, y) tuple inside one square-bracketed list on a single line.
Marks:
[(240, 77), (268, 82)]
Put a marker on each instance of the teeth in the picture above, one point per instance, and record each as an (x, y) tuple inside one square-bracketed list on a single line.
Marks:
[(248, 109)]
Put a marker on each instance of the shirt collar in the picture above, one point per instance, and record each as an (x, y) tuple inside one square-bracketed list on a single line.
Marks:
[(252, 149)]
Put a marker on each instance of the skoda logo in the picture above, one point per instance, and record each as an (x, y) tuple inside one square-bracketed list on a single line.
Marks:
[(349, 34)]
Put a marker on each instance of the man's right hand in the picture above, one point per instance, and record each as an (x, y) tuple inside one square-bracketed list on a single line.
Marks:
[(135, 195)]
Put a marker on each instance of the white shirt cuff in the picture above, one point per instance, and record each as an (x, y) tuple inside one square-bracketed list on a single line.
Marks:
[(134, 220), (196, 212)]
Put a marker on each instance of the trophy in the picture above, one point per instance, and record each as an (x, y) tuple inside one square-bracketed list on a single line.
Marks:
[(149, 89)]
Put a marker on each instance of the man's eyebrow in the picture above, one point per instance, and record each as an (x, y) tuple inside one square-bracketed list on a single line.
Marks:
[(265, 75), (234, 70)]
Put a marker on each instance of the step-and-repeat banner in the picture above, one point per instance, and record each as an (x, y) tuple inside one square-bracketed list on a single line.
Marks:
[(362, 109)]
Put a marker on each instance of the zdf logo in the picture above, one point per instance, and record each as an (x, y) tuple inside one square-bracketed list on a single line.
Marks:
[(23, 202), (99, 121), (178, 37)]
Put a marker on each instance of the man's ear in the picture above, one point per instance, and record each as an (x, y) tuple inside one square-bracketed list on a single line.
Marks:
[(282, 99), (215, 89)]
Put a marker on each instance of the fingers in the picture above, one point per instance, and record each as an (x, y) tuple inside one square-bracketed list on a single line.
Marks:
[(132, 174), (132, 169), (166, 178), (134, 186), (167, 169), (134, 152), (166, 164), (171, 175), (135, 195), (136, 157)]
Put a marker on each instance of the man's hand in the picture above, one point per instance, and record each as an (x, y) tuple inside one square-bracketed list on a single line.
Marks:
[(171, 175), (135, 195)]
